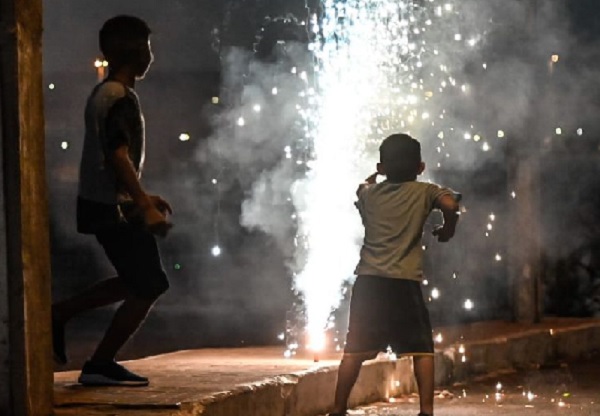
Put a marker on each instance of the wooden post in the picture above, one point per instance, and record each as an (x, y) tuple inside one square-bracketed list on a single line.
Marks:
[(524, 242), (525, 257), (25, 336)]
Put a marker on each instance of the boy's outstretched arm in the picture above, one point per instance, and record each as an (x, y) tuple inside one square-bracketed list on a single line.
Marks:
[(449, 207)]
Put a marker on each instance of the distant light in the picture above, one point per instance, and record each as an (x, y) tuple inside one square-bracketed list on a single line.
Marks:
[(477, 137), (498, 257), (98, 63), (257, 108), (499, 386), (64, 145), (216, 251), (281, 336), (458, 37), (558, 131), (485, 147), (484, 66), (468, 305), (580, 131), (492, 217), (274, 91), (501, 133), (177, 266), (513, 194), (214, 181), (287, 354), (184, 137), (435, 293), (215, 100), (425, 282), (439, 338), (555, 58), (51, 86), (468, 136), (241, 122)]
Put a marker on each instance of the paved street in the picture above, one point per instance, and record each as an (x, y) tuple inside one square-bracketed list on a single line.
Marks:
[(562, 390)]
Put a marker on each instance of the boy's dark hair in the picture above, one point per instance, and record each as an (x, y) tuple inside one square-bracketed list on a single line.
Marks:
[(121, 38), (400, 156)]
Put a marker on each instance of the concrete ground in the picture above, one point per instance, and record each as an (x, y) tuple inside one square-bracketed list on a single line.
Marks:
[(260, 381), (566, 389)]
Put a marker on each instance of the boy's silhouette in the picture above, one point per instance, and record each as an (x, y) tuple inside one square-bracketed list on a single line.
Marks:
[(113, 205)]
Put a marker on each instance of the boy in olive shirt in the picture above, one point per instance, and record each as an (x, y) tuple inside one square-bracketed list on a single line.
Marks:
[(387, 306)]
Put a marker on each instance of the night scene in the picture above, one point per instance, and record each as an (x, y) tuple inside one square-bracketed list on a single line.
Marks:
[(300, 207)]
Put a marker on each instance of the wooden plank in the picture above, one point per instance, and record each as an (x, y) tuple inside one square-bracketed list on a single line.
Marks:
[(26, 279)]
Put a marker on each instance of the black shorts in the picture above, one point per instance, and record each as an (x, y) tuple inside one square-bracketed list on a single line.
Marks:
[(134, 254), (388, 312)]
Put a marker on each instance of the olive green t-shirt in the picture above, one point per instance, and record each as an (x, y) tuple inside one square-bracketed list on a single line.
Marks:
[(393, 215)]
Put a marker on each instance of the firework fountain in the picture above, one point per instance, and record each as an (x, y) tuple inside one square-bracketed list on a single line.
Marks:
[(380, 67), (373, 68)]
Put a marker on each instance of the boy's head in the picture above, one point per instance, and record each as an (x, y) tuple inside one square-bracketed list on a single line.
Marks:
[(125, 42), (400, 158)]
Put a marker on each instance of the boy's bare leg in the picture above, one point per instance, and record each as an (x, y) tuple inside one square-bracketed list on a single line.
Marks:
[(125, 323), (347, 376), (102, 293), (424, 373)]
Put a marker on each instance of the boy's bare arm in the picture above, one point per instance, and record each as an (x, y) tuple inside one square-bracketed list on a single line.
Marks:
[(449, 207), (154, 219)]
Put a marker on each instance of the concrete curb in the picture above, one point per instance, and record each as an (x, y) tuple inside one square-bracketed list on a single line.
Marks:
[(310, 393)]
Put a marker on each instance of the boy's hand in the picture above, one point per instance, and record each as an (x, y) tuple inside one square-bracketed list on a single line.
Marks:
[(369, 181), (443, 234), (372, 179), (162, 205), (155, 221)]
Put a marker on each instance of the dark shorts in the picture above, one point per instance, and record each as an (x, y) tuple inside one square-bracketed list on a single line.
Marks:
[(134, 254), (388, 312)]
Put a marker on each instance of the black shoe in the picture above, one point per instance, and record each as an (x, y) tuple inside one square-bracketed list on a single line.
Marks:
[(58, 342), (109, 374)]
